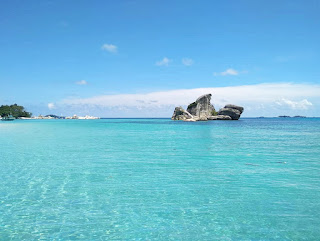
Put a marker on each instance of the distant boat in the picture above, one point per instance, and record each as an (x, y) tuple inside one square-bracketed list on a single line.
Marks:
[(284, 116), (8, 118)]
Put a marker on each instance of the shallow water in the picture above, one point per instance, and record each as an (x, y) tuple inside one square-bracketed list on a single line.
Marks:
[(148, 179)]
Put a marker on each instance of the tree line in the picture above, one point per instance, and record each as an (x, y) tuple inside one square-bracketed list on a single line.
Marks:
[(14, 110)]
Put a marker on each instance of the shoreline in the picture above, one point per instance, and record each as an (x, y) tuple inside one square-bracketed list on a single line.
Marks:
[(105, 118)]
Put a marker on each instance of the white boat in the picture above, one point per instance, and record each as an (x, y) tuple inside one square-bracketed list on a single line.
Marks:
[(8, 118)]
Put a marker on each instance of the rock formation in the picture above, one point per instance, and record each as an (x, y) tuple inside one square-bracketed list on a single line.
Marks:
[(233, 111), (181, 114), (219, 117), (203, 110)]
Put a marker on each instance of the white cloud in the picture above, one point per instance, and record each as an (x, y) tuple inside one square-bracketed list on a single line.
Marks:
[(227, 72), (51, 106), (164, 62), (260, 99), (295, 105), (82, 82), (187, 61), (110, 48)]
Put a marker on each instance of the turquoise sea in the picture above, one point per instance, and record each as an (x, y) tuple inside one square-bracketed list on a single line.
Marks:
[(157, 179)]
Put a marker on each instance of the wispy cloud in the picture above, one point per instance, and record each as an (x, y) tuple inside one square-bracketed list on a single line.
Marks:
[(295, 105), (227, 72), (51, 106), (262, 99), (110, 48), (164, 62), (187, 61), (82, 82)]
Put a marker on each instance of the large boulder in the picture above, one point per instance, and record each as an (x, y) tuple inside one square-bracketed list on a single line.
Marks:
[(203, 110), (239, 108), (181, 114), (202, 107), (219, 117), (233, 111)]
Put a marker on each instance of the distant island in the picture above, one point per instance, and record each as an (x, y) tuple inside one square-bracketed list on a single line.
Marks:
[(11, 112), (51, 116), (203, 110), (296, 116), (17, 111)]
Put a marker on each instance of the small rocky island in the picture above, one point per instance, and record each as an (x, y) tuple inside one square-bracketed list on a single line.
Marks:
[(203, 110)]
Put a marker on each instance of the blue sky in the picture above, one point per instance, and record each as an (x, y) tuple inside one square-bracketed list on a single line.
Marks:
[(74, 57)]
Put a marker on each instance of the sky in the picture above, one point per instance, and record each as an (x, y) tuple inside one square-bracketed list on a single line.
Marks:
[(142, 58)]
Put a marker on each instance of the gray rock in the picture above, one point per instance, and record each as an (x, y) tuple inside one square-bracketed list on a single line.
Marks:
[(219, 117), (203, 110), (233, 111), (239, 108), (202, 118), (202, 107), (191, 120), (181, 114)]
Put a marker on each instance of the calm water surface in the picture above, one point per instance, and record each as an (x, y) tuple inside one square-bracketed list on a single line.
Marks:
[(156, 179)]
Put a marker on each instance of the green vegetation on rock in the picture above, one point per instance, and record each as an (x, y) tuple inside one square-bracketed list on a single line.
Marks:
[(214, 112), (192, 105), (14, 110)]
